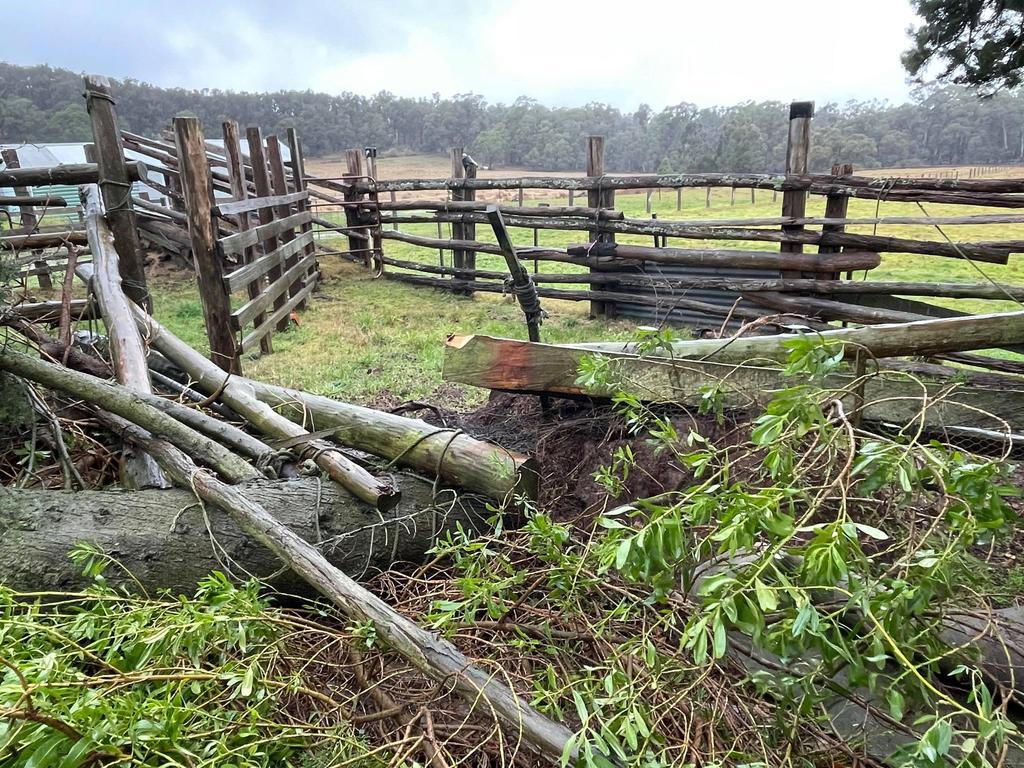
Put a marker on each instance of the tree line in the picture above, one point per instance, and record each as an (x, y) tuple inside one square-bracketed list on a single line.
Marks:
[(939, 126)]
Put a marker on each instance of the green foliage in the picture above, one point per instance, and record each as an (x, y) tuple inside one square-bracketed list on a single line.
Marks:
[(106, 678), (977, 42), (760, 547)]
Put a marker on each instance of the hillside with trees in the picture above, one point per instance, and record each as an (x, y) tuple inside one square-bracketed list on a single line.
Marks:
[(941, 126)]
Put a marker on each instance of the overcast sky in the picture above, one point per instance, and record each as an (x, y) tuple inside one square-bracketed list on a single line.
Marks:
[(562, 53)]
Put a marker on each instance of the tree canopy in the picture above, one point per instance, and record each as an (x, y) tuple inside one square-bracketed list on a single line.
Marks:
[(945, 125), (976, 42)]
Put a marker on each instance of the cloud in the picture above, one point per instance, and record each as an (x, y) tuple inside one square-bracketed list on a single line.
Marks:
[(654, 51)]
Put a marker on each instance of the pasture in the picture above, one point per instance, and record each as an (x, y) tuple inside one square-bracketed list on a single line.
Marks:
[(362, 336)]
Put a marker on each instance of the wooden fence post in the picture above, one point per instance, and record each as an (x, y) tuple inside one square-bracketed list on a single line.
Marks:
[(679, 198), (598, 198), (356, 170), (116, 189), (240, 191), (198, 190), (836, 207), (261, 180), (458, 171), (298, 166), (279, 183), (798, 149), (28, 219)]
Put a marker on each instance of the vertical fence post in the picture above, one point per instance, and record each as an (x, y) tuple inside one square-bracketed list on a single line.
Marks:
[(458, 227), (261, 180), (198, 190), (298, 166), (836, 207), (394, 199), (469, 228), (28, 219), (356, 170), (598, 198), (648, 201), (707, 197), (798, 148), (279, 184), (240, 191), (679, 198), (370, 153), (116, 189)]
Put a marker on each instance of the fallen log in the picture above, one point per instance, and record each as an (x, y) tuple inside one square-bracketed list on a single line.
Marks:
[(127, 355), (920, 338), (436, 657), (166, 539), (380, 492), (888, 397), (126, 404), (49, 311), (458, 459)]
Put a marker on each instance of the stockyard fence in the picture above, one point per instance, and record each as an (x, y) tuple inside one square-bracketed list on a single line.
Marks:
[(254, 222)]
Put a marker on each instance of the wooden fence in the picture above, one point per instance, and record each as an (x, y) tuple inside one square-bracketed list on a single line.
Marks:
[(791, 263), (253, 223)]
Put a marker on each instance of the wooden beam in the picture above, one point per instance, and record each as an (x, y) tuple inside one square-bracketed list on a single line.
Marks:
[(298, 167), (115, 187), (279, 183), (895, 398), (216, 301), (522, 286), (244, 206), (72, 174), (240, 190)]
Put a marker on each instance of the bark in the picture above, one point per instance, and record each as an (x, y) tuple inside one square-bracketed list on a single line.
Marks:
[(888, 397), (239, 397), (434, 656), (127, 404), (127, 355), (165, 540)]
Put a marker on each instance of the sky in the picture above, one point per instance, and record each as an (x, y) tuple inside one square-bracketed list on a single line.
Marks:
[(623, 53)]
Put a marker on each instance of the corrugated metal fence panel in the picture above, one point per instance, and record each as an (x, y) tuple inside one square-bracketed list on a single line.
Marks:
[(650, 315)]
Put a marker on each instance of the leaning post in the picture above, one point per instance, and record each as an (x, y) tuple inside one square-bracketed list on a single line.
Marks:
[(198, 190), (116, 189)]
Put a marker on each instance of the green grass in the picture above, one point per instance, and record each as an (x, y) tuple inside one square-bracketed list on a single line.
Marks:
[(367, 336)]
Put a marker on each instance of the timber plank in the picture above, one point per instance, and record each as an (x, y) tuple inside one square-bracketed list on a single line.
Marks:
[(259, 267), (237, 243), (253, 307)]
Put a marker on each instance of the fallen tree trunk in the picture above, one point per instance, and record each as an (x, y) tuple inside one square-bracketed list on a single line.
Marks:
[(166, 540), (127, 355), (436, 657), (457, 458), (380, 492), (125, 403), (918, 338), (888, 397)]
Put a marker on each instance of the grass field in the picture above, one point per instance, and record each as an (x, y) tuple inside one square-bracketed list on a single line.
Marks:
[(363, 337)]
